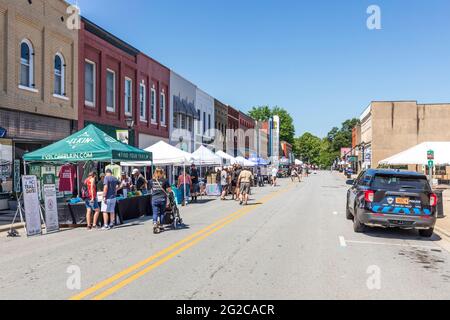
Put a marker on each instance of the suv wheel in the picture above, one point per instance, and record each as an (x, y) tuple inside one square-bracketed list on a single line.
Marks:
[(427, 233), (358, 227), (348, 214)]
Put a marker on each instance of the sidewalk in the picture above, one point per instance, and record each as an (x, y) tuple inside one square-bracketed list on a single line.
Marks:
[(443, 224)]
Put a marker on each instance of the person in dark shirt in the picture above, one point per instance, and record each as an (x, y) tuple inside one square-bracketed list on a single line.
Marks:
[(195, 183), (109, 199), (160, 189), (139, 182)]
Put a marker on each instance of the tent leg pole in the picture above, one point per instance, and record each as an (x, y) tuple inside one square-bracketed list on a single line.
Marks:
[(184, 183), (24, 168)]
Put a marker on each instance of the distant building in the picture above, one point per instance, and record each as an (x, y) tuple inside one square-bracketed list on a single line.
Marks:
[(246, 135), (390, 127), (204, 125), (221, 125), (232, 132), (184, 112)]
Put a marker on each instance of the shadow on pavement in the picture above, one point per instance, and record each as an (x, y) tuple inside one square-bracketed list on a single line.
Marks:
[(400, 234)]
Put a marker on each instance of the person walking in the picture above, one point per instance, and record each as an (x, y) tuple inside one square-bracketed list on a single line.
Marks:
[(90, 199), (274, 176), (224, 183), (294, 174), (236, 173), (160, 189), (244, 181), (195, 183), (185, 181), (109, 200)]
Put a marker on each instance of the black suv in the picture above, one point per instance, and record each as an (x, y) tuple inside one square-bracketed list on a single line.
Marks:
[(390, 198)]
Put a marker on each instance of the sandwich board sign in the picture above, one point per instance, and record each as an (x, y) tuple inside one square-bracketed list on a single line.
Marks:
[(32, 206), (51, 204)]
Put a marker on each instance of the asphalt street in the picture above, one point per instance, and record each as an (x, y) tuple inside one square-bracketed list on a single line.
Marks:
[(291, 242)]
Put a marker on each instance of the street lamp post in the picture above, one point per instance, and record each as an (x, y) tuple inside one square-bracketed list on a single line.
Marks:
[(130, 125)]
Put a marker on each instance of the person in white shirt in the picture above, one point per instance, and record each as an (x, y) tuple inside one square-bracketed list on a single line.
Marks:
[(274, 176)]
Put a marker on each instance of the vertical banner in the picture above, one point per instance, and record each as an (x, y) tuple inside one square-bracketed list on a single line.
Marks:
[(51, 208), (32, 206), (276, 140)]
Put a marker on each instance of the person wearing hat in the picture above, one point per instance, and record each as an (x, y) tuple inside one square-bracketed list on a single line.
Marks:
[(140, 184)]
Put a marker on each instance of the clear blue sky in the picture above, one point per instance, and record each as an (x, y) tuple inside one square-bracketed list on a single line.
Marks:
[(315, 58)]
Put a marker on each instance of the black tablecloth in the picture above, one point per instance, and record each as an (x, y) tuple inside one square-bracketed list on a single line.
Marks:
[(132, 208), (126, 209)]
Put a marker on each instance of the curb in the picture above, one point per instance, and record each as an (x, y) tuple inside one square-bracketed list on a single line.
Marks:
[(16, 226), (443, 231)]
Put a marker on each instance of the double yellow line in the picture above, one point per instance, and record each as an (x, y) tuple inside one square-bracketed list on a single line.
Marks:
[(171, 252)]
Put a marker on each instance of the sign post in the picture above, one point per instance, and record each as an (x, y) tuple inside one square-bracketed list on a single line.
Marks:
[(51, 204), (430, 157), (32, 206)]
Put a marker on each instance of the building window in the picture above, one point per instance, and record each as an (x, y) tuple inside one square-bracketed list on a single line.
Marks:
[(153, 105), (128, 96), (183, 121), (59, 72), (175, 120), (142, 102), (89, 83), (26, 64), (199, 121), (110, 91), (209, 122), (204, 122), (162, 106)]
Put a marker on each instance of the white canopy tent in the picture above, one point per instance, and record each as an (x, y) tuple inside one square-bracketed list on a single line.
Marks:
[(244, 162), (418, 155), (204, 157), (229, 160), (164, 154), (298, 162)]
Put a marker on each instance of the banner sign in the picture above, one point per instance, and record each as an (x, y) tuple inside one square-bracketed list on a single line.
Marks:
[(51, 208), (32, 206)]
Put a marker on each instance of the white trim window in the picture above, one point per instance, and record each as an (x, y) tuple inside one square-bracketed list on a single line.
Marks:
[(142, 102), (110, 91), (153, 105), (128, 96), (26, 64), (162, 109), (59, 74), (89, 83)]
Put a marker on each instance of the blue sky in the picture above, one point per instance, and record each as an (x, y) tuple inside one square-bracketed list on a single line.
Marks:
[(315, 58)]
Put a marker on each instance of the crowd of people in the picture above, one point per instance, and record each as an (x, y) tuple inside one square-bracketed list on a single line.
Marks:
[(234, 181)]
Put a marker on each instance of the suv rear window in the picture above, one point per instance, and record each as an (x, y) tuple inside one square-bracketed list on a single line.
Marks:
[(393, 182)]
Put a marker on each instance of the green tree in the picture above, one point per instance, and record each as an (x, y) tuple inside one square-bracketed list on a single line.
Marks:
[(308, 147), (287, 128)]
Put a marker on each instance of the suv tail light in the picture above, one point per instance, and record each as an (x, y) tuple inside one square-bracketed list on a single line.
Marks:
[(369, 195), (433, 200)]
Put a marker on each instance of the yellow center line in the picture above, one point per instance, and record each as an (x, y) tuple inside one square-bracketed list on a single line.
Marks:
[(215, 227)]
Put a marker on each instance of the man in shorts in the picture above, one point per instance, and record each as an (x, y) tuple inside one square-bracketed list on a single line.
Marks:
[(109, 200), (244, 181)]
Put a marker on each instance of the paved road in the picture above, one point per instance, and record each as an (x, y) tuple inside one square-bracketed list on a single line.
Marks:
[(292, 242)]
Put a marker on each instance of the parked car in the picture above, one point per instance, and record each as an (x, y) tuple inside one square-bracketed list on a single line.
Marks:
[(390, 198)]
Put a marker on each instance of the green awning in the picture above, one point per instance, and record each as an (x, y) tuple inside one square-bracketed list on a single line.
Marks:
[(89, 144)]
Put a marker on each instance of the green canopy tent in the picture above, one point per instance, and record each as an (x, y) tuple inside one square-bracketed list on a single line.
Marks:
[(89, 144)]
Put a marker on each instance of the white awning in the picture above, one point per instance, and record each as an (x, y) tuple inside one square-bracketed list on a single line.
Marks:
[(225, 156), (163, 154), (244, 162), (204, 156), (418, 155)]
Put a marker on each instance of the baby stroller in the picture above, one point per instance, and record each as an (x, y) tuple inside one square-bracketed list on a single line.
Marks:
[(172, 216)]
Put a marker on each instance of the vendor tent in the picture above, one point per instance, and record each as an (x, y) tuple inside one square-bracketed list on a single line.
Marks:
[(418, 155), (226, 157), (164, 154), (88, 144), (259, 161), (244, 162), (204, 156), (298, 162)]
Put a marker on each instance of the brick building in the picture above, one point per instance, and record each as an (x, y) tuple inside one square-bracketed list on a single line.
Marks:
[(119, 84), (232, 132), (38, 77), (246, 136)]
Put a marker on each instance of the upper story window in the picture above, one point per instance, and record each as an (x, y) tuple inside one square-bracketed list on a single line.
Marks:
[(128, 96), (110, 91), (89, 83), (153, 104), (199, 121), (162, 106), (26, 64), (142, 102), (59, 73)]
